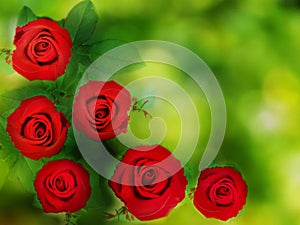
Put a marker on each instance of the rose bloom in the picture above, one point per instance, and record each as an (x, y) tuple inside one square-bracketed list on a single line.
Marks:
[(101, 114), (43, 50), (37, 129), (62, 186), (150, 181), (221, 193)]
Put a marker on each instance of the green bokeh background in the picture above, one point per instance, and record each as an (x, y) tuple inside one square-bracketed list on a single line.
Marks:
[(253, 48)]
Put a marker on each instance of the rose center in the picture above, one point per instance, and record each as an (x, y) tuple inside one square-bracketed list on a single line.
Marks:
[(41, 46), (148, 178), (223, 191), (63, 185), (60, 184), (151, 181), (40, 131), (42, 49), (102, 113)]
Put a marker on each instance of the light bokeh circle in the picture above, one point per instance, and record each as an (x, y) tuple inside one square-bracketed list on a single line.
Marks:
[(96, 154)]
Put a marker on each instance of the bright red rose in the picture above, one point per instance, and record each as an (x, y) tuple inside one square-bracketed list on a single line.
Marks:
[(37, 129), (62, 186), (221, 193), (43, 50), (101, 113), (150, 182)]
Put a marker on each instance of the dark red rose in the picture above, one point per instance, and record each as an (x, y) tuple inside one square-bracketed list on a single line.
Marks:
[(62, 186), (101, 109), (221, 193), (43, 50), (150, 182), (37, 129)]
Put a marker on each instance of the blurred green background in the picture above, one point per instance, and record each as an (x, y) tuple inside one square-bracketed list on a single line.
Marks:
[(253, 48)]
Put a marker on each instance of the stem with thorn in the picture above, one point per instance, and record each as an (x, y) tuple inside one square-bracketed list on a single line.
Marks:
[(119, 212), (140, 109), (8, 54), (69, 217), (191, 193)]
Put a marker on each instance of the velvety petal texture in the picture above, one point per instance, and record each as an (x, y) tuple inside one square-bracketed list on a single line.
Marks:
[(37, 129), (100, 109), (63, 186), (43, 50), (221, 193), (150, 181)]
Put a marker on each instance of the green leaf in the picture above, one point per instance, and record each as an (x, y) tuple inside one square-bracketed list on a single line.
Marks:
[(69, 81), (62, 22), (69, 150), (100, 197), (81, 22), (116, 147), (11, 100), (192, 174), (26, 15), (34, 165), (7, 150), (4, 168), (22, 172), (83, 55), (100, 200), (99, 48), (91, 216), (36, 202)]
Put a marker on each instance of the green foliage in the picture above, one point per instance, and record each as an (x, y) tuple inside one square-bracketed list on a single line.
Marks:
[(9, 101), (7, 151), (99, 48), (81, 22), (4, 168), (22, 172), (75, 70), (69, 150), (91, 216), (36, 202), (253, 48), (191, 173), (100, 197), (26, 15)]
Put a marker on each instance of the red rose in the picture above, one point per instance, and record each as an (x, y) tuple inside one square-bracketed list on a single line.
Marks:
[(221, 193), (43, 50), (62, 186), (150, 182), (101, 109), (37, 129)]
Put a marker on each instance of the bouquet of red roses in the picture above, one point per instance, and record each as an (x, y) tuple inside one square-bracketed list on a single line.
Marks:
[(59, 133)]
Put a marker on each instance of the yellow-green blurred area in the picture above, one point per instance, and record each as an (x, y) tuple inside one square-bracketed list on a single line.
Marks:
[(253, 48)]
